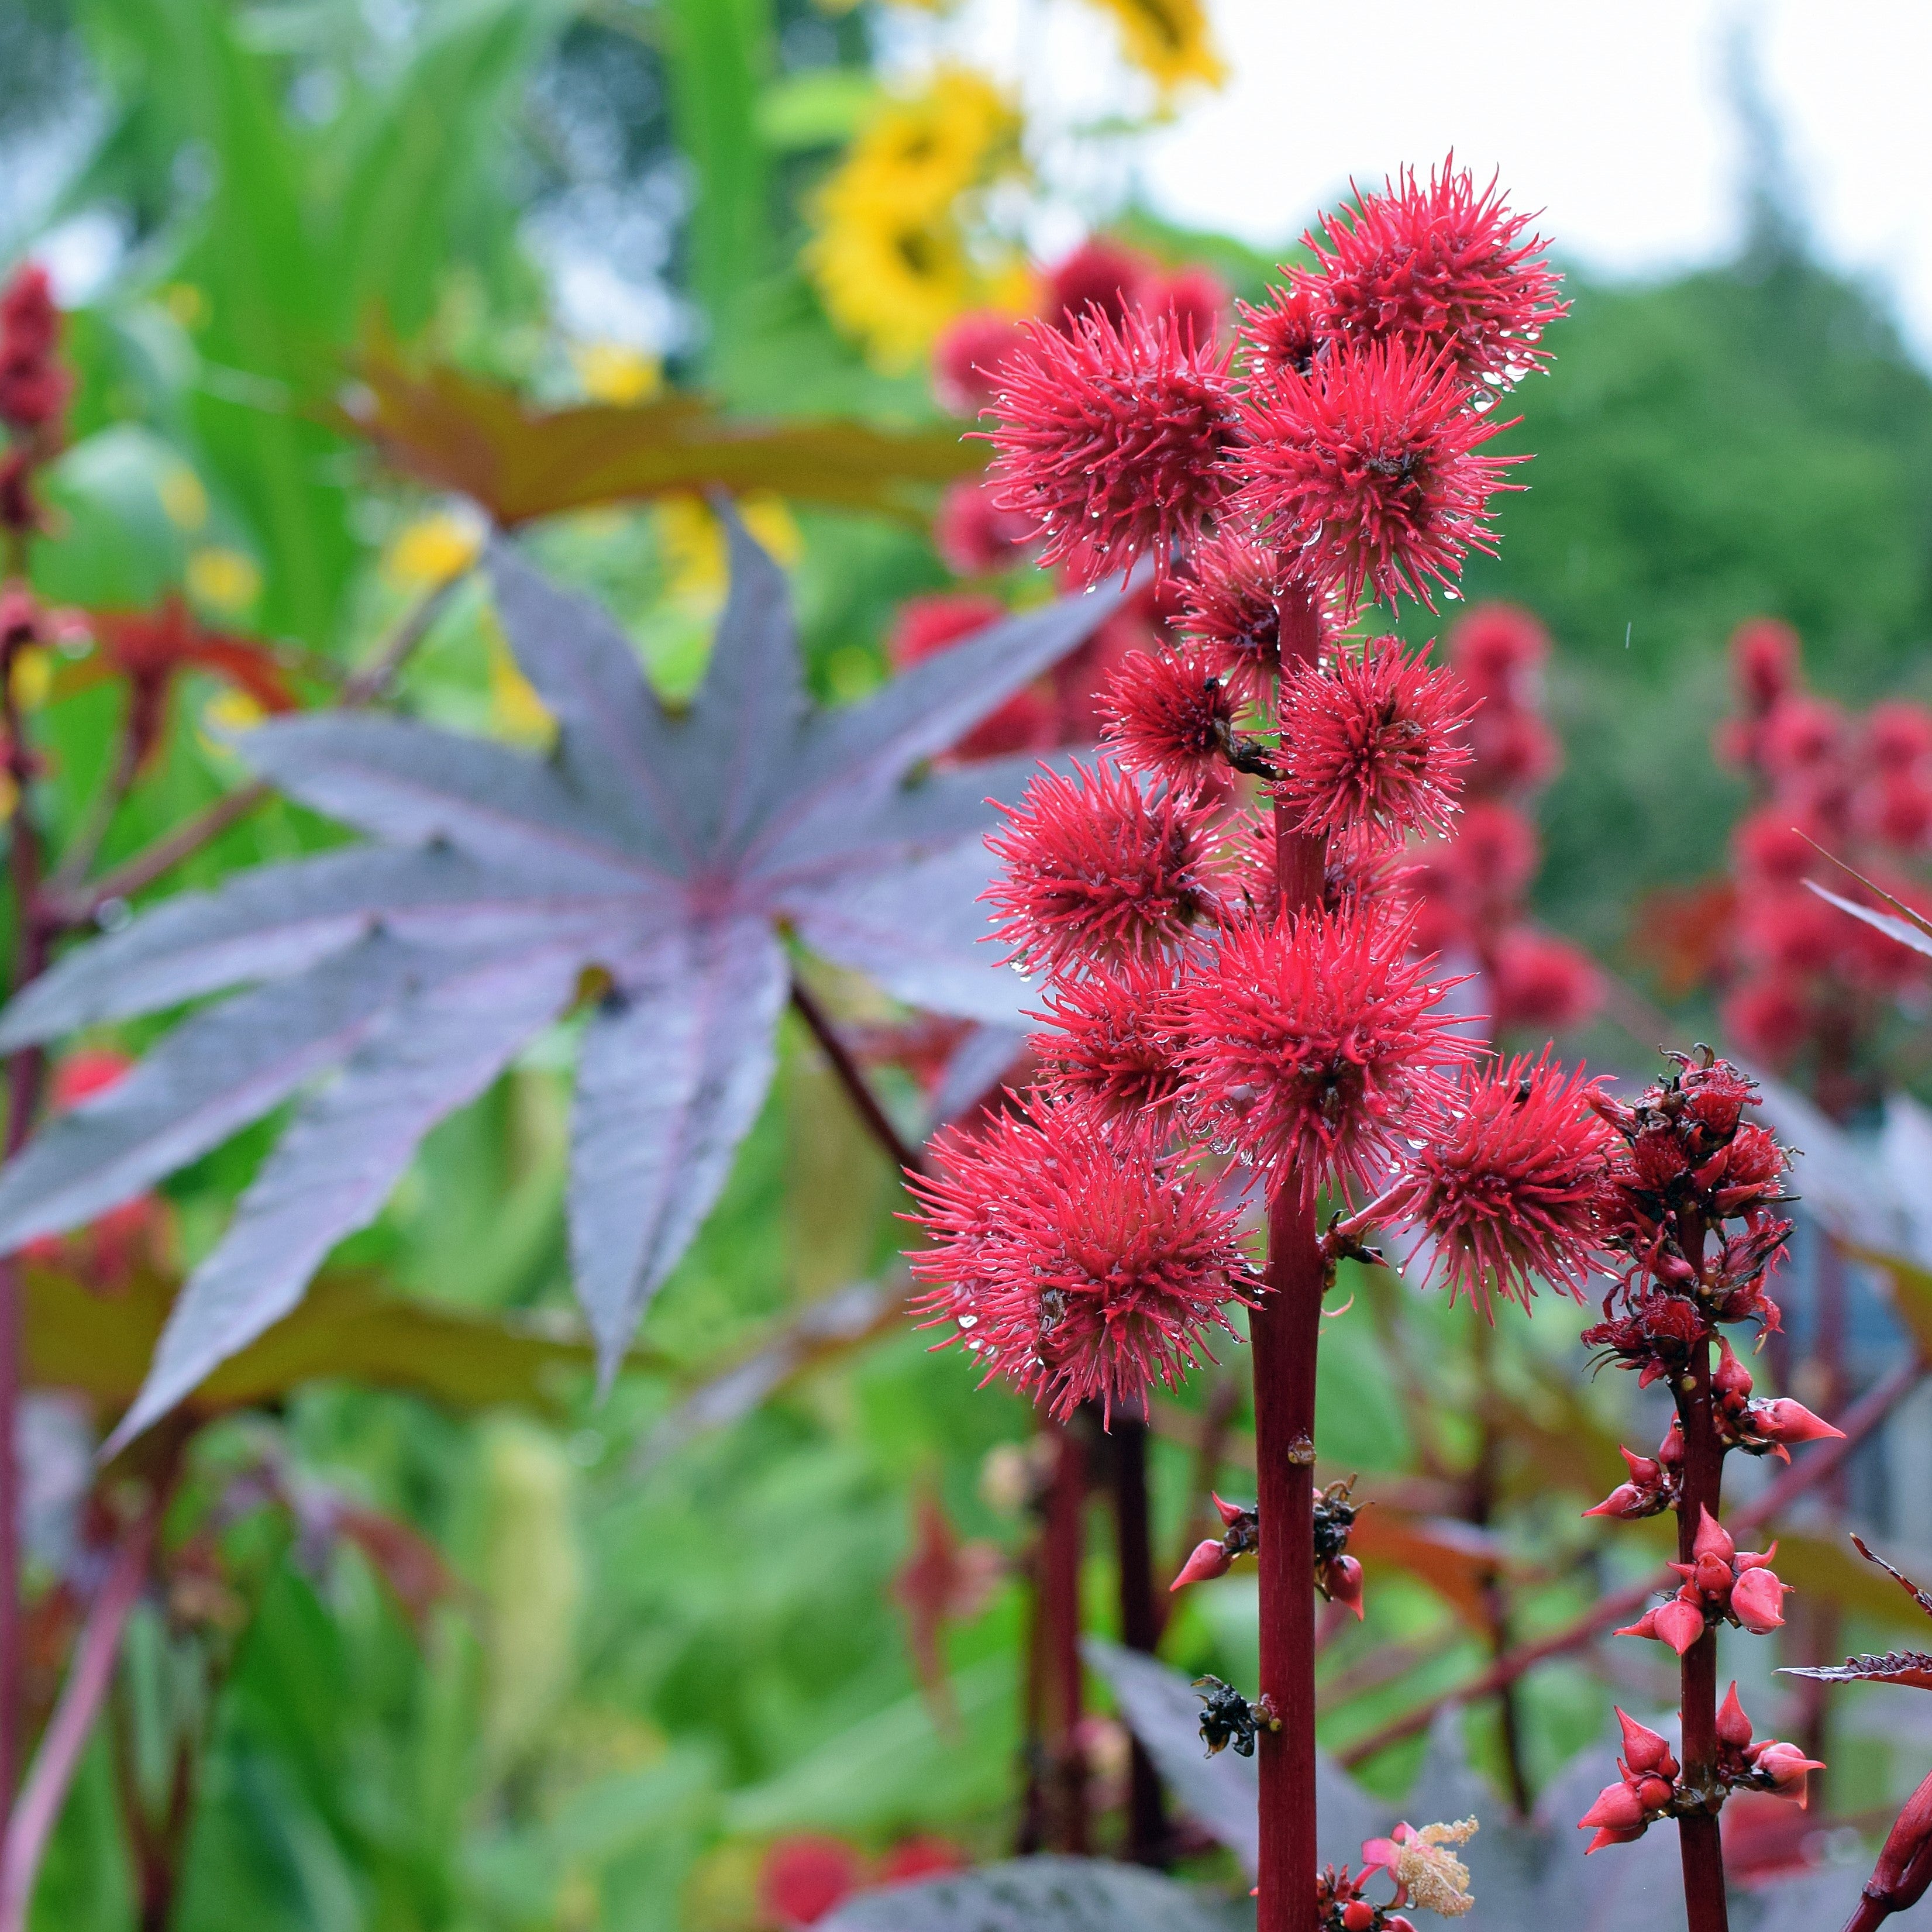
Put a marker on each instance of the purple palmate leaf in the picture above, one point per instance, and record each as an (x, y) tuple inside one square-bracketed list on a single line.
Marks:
[(672, 852)]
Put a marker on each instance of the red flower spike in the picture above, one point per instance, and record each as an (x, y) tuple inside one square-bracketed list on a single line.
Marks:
[(1764, 661), (1536, 979), (1230, 605), (1757, 1601), (1495, 853), (1099, 275), (1445, 268), (1373, 742), (1110, 438), (1080, 1268), (966, 359), (1209, 1559), (1096, 872), (1498, 650), (1311, 1041), (1507, 1179), (1734, 1728), (34, 387), (1645, 1751), (972, 534), (1116, 1035), (1898, 736), (1342, 1583), (1783, 1421), (1170, 717), (1367, 467), (1281, 336)]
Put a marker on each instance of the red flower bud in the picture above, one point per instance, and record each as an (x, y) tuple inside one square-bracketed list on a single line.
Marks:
[(1711, 1574), (1730, 1377), (1734, 1728), (1788, 1768), (1757, 1600), (1644, 1749), (1357, 1915), (1645, 1472), (1396, 1922), (1653, 1794), (1209, 1559), (1231, 1513), (1605, 1836), (1712, 1539), (1676, 1623), (1343, 1581), (1617, 1805), (1670, 1450), (1626, 1500), (1781, 1420)]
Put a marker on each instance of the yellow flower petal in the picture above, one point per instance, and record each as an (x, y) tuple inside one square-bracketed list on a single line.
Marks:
[(222, 580), (431, 550), (1168, 40), (611, 372), (516, 711), (691, 540), (183, 499), (33, 677)]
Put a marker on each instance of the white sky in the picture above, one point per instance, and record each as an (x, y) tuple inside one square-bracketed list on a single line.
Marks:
[(1613, 118)]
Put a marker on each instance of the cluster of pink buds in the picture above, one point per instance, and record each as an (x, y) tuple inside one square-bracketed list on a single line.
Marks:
[(1721, 1583), (1654, 1483), (1691, 1163), (1651, 1785), (1214, 1556), (34, 386), (1340, 1906)]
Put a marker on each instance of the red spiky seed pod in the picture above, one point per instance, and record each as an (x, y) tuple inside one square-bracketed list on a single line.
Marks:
[(966, 358), (1507, 1182), (1898, 735), (1099, 276), (1171, 717), (1195, 297), (1499, 650), (1372, 742), (1367, 469), (1313, 1043), (1115, 1038), (1283, 334), (1536, 979), (1095, 872), (972, 534), (1080, 1268), (1230, 605), (1445, 268), (1110, 437)]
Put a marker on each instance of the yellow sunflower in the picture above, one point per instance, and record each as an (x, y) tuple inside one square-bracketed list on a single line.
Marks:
[(1168, 40), (892, 256)]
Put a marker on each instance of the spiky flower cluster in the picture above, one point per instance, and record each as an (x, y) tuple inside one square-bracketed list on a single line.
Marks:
[(1194, 1015), (34, 386), (1077, 1266)]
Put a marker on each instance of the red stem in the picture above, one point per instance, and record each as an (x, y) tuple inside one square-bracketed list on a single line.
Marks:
[(1857, 1422), (1904, 1868), (1285, 1329), (1140, 1618), (1060, 1593), (1699, 1842), (858, 1089), (34, 1817)]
